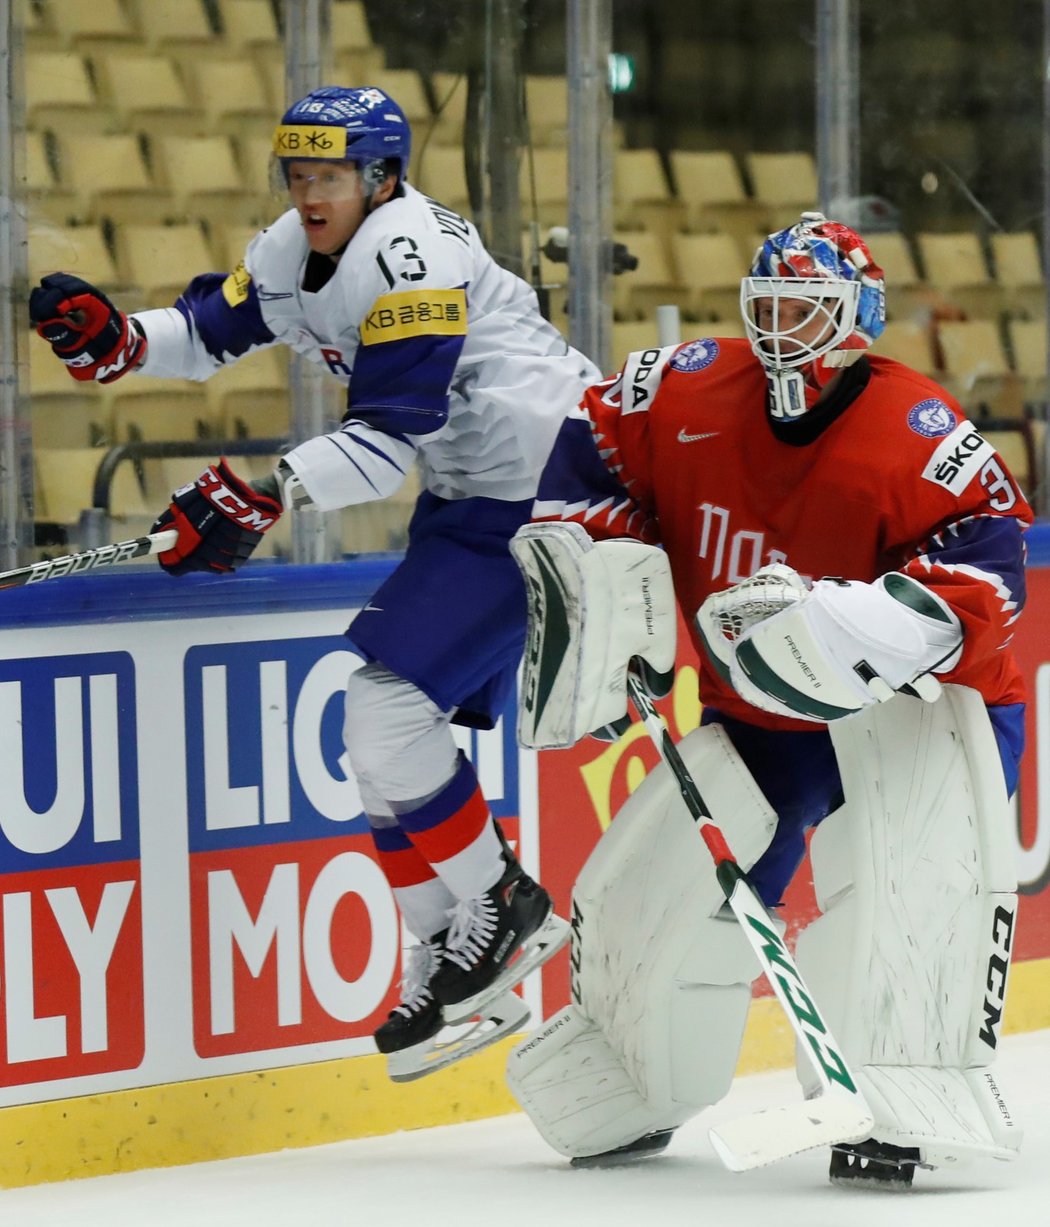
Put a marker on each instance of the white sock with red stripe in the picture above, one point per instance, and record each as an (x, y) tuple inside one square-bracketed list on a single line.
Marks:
[(423, 899), (455, 833)]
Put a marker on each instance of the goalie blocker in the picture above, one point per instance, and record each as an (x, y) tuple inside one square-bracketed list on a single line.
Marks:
[(594, 608)]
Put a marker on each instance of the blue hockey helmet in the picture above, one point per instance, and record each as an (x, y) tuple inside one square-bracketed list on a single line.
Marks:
[(827, 265), (361, 125)]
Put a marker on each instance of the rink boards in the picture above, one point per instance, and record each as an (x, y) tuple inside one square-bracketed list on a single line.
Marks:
[(195, 940)]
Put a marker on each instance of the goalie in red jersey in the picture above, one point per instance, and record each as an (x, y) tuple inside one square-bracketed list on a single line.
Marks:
[(847, 550)]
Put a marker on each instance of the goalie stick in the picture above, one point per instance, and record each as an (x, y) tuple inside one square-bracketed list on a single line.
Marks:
[(839, 1113), (89, 560)]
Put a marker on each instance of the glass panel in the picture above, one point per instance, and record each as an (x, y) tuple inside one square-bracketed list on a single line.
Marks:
[(714, 134)]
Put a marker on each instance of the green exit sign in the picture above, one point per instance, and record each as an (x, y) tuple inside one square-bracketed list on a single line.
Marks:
[(621, 73)]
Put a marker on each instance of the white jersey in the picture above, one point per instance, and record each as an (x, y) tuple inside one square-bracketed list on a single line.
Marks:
[(445, 354)]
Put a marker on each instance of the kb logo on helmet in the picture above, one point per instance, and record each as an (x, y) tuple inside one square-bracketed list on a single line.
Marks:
[(309, 141)]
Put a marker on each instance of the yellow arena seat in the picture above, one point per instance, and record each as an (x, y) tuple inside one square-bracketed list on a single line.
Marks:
[(205, 181), (631, 335), (349, 26), (233, 95), (162, 260), (80, 250), (48, 198), (636, 294), (93, 26), (65, 482), (60, 94), (710, 267), (1019, 272), (174, 24), (711, 190), (141, 407), (543, 184), (250, 25), (230, 241), (955, 266), (976, 369), (910, 342), (450, 102), (783, 184), (641, 194), (441, 174), (149, 94), (547, 109), (64, 412), (907, 294), (249, 398), (1028, 343), (110, 179)]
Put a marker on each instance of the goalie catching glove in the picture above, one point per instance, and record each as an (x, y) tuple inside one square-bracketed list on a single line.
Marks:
[(220, 520), (596, 609), (826, 651), (95, 339)]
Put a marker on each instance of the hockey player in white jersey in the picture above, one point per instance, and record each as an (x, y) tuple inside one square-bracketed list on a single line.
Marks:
[(448, 364)]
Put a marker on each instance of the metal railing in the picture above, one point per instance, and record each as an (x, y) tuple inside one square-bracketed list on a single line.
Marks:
[(93, 528)]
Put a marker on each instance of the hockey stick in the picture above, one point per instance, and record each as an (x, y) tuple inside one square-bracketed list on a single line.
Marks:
[(840, 1112), (89, 560)]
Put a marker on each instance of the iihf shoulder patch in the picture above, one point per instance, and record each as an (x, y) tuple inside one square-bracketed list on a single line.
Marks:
[(696, 355), (931, 418)]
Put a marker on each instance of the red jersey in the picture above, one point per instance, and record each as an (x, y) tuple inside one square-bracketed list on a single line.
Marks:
[(679, 450)]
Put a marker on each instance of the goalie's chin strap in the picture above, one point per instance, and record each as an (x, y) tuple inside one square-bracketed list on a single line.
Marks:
[(803, 429)]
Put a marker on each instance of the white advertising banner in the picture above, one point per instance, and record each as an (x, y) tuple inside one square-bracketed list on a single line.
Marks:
[(187, 881)]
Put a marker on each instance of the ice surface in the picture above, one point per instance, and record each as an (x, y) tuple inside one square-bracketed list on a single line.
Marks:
[(500, 1173)]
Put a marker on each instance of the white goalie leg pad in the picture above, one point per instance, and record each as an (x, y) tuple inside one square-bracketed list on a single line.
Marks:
[(916, 880), (661, 975), (593, 608)]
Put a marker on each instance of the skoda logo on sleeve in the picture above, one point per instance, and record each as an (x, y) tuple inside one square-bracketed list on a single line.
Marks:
[(931, 418), (696, 355)]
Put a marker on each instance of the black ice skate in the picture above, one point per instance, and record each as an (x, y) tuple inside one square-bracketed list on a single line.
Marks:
[(417, 1017), (874, 1165), (415, 1039), (641, 1148), (495, 941)]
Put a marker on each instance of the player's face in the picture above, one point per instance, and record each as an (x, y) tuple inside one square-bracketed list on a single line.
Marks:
[(331, 202), (798, 323)]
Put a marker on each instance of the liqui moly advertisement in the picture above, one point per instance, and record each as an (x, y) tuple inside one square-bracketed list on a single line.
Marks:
[(188, 885)]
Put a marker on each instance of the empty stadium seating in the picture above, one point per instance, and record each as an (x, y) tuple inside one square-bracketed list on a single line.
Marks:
[(955, 264), (976, 369), (142, 112)]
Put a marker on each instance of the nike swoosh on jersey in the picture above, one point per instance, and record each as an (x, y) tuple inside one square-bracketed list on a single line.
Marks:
[(684, 438)]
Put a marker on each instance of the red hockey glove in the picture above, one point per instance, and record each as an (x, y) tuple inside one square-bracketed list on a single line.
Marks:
[(93, 338), (220, 520)]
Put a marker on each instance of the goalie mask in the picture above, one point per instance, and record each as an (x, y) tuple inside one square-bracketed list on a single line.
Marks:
[(813, 302), (335, 124)]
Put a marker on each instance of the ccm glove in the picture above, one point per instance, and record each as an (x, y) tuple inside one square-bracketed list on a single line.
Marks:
[(88, 333), (220, 519)]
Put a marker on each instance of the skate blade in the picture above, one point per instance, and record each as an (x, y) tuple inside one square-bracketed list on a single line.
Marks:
[(542, 945), (503, 1016)]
